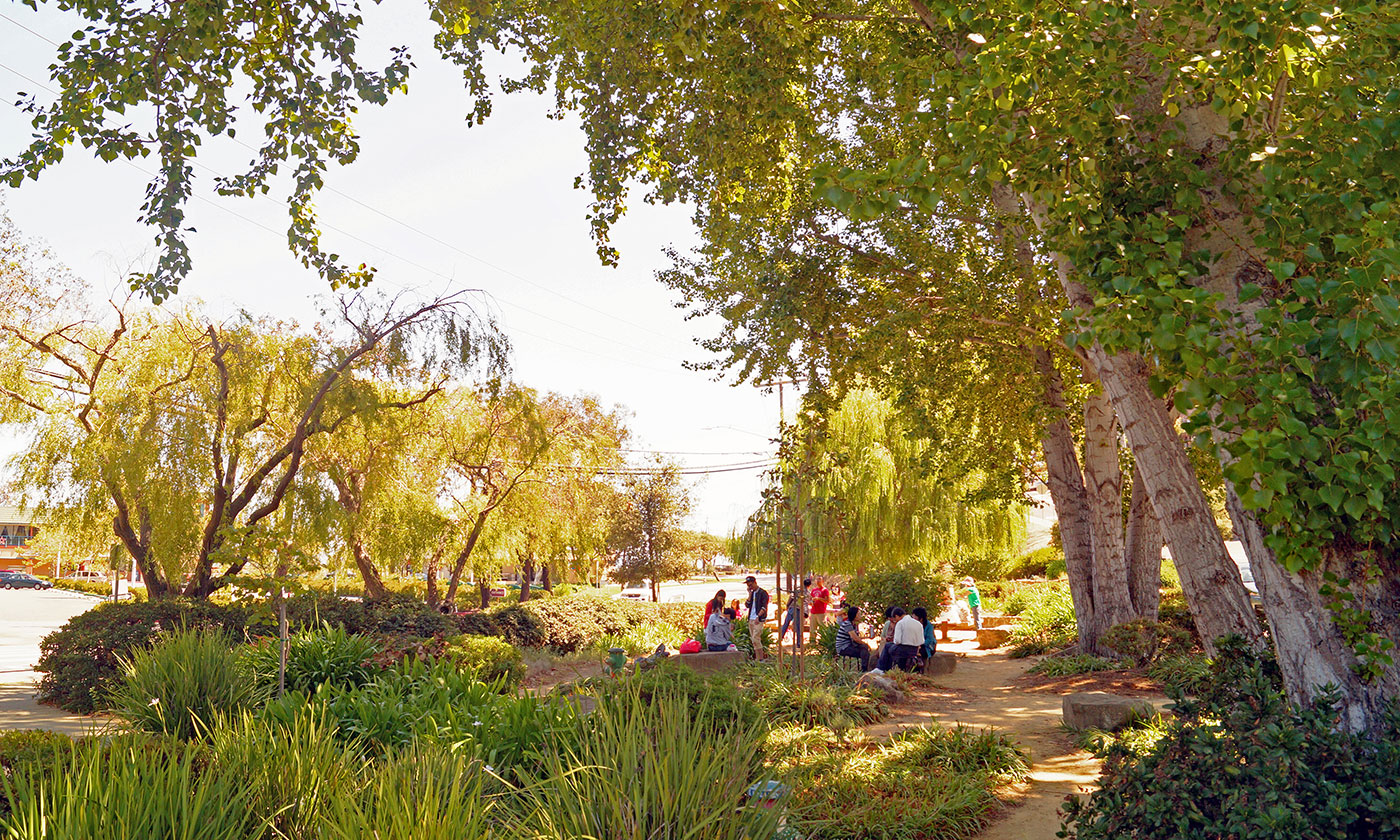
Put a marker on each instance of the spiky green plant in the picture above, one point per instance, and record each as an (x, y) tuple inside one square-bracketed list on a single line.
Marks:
[(183, 684)]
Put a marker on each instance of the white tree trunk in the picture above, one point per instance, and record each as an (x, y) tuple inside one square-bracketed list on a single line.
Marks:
[(1103, 478)]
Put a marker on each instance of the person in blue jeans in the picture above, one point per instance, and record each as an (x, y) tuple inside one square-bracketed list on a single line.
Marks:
[(849, 642), (719, 631), (930, 636), (792, 618)]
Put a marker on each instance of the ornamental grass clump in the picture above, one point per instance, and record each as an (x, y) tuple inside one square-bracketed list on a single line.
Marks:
[(130, 789), (327, 654), (184, 684), (650, 768), (427, 793)]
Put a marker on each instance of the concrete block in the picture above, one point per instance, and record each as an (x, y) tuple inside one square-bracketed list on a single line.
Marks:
[(941, 663), (992, 637), (1100, 710), (711, 662)]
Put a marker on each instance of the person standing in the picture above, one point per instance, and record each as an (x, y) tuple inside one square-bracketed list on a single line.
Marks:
[(849, 642), (908, 639), (974, 602), (792, 617), (821, 600), (756, 610)]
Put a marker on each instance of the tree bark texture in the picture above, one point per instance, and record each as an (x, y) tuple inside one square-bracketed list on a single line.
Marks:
[(484, 590), (527, 573), (1216, 594), (1311, 651), (374, 584), (1066, 482), (1103, 480), (1144, 553)]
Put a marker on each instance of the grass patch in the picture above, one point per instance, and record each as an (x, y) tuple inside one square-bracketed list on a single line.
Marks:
[(924, 782), (1067, 666)]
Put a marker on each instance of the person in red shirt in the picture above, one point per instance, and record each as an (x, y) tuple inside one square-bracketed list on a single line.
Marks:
[(821, 598), (714, 605)]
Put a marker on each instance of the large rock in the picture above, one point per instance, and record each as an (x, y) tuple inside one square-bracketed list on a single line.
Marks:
[(992, 637), (882, 685), (1100, 710), (711, 662), (941, 663)]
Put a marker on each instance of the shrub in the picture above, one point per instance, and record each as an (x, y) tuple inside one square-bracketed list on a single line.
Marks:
[(1046, 624), (1056, 568), (292, 771), (826, 637), (1245, 763), (1186, 673), (908, 587), (81, 661), (837, 705), (743, 642), (960, 749), (476, 623), (1174, 611), (982, 567), (1066, 666), (1170, 578), (718, 700), (487, 659), (1142, 640), (133, 592), (314, 656), (651, 766), (519, 626), (1036, 564), (128, 790), (184, 684), (573, 624)]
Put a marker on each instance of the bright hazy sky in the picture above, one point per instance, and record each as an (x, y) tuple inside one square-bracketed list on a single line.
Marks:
[(501, 194)]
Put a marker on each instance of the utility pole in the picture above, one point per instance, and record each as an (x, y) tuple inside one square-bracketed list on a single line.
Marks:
[(797, 590)]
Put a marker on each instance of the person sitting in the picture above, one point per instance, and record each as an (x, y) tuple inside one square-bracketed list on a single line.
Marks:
[(849, 642), (930, 635), (719, 630), (886, 655), (713, 606), (908, 641)]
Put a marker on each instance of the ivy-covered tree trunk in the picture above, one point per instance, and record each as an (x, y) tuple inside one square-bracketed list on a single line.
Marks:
[(1103, 480), (1066, 482), (1311, 648), (1144, 553)]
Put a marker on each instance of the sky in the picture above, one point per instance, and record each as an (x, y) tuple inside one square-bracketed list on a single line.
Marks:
[(436, 207)]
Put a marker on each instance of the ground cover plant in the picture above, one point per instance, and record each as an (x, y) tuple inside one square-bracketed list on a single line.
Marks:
[(1241, 761), (925, 782), (1047, 623), (1065, 666)]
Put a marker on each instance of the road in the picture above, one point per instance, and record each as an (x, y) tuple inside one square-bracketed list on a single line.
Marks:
[(30, 615), (699, 590)]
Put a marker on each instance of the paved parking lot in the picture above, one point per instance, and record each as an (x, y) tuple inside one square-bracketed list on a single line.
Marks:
[(28, 615)]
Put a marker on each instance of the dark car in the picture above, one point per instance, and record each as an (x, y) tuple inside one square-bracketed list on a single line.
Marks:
[(20, 580)]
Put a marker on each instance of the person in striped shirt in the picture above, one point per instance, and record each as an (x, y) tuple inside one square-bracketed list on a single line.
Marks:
[(848, 641)]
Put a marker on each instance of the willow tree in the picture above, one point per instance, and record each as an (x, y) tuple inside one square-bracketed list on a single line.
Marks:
[(189, 436), (867, 492)]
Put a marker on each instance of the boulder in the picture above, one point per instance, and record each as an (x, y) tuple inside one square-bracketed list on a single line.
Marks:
[(882, 685), (1100, 710), (941, 663), (711, 662), (992, 637)]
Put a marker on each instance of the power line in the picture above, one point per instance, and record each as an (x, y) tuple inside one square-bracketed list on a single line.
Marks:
[(392, 255)]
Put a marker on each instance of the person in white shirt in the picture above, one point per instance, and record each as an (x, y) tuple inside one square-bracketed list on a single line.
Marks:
[(908, 638)]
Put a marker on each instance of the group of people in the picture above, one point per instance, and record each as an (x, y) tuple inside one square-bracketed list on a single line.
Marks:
[(719, 618), (907, 640)]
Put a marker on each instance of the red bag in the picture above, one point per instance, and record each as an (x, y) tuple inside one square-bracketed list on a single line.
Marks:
[(690, 646)]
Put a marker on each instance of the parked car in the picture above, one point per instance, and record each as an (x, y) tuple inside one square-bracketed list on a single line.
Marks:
[(88, 574), (634, 593), (21, 580)]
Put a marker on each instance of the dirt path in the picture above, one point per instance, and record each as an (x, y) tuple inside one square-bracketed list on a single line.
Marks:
[(983, 692)]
